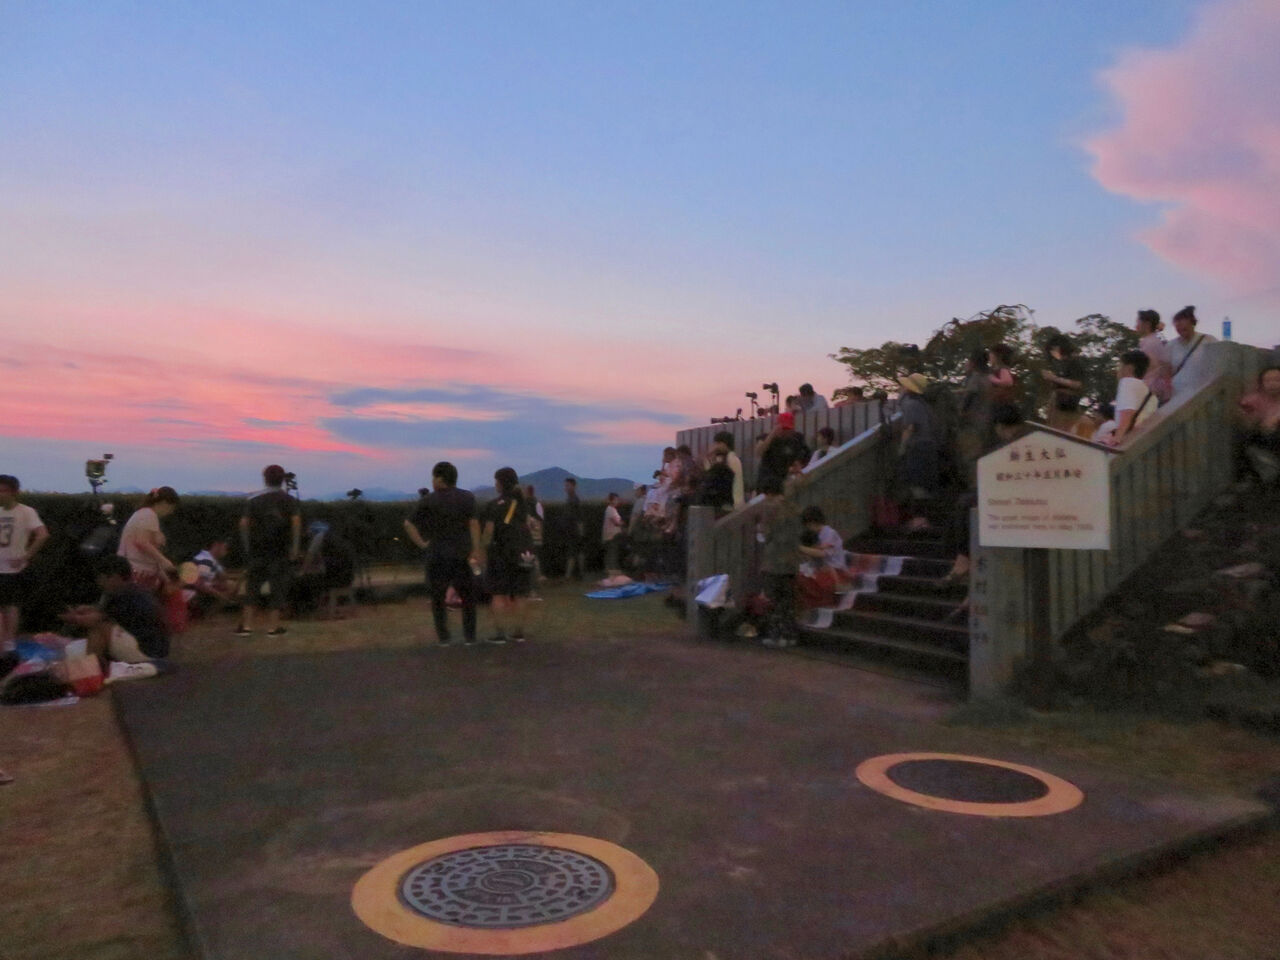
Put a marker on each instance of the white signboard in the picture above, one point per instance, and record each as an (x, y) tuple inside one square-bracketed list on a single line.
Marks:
[(1045, 490)]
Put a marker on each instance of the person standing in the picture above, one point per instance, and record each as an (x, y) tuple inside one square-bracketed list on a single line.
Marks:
[(973, 433), (447, 526), (142, 542), (809, 400), (1134, 400), (1065, 375), (22, 534), (271, 534), (1159, 376), (574, 529), (779, 530), (1186, 350), (509, 556), (1004, 385), (782, 447), (919, 473), (826, 440), (537, 529), (610, 536)]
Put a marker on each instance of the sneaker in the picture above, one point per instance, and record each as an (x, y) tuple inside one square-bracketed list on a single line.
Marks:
[(243, 632), (470, 642), (445, 642), (129, 671), (497, 640), (519, 637), (277, 632)]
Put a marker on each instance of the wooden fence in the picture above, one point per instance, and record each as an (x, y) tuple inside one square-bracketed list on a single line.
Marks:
[(848, 421), (842, 484), (1165, 474)]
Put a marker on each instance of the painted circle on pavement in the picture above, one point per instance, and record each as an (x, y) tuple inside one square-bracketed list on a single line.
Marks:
[(505, 893), (978, 786)]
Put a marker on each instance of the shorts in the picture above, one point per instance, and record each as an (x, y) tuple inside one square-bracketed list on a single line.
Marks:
[(273, 573), (507, 578), (13, 589)]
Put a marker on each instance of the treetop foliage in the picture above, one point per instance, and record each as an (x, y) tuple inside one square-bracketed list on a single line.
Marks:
[(1098, 339)]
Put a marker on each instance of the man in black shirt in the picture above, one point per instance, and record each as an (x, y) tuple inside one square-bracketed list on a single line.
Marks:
[(782, 447), (271, 534), (1065, 375), (127, 626), (574, 530), (447, 526)]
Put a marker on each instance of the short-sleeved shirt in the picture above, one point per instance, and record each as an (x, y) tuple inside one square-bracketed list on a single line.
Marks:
[(1068, 368), (444, 519), (785, 450), (143, 526), (832, 547), (138, 612), (270, 513), (612, 523), (17, 524), (506, 536), (1130, 394)]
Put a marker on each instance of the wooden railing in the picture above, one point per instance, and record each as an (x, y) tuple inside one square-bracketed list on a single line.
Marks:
[(847, 421), (1165, 474), (842, 484)]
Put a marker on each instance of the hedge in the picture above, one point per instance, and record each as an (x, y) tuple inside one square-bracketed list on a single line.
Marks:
[(375, 529)]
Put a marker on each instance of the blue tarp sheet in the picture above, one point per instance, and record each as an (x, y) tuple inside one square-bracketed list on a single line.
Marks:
[(629, 590)]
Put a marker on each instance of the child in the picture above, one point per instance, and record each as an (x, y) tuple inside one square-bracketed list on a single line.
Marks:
[(779, 530)]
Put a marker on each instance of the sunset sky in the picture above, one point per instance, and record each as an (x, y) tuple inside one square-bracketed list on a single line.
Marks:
[(356, 238)]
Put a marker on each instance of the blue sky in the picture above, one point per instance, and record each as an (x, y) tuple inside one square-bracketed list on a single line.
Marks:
[(642, 209)]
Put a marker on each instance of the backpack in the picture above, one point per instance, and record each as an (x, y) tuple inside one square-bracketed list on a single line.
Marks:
[(512, 537)]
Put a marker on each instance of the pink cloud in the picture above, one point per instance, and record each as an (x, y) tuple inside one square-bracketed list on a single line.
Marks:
[(1200, 133)]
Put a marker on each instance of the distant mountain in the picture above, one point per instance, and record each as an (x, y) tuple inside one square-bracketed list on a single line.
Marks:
[(548, 486)]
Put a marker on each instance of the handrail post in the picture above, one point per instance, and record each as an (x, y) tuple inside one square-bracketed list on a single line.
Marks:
[(698, 524)]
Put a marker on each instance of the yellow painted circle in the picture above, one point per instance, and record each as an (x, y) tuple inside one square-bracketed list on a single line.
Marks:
[(1062, 796), (376, 901)]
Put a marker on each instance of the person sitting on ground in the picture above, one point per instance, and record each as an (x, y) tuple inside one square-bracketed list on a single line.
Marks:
[(826, 440), (781, 447), (1159, 375), (142, 542), (271, 534), (809, 400), (127, 626), (1186, 350), (1004, 385), (918, 450), (779, 531), (22, 535), (1134, 403), (212, 586), (1065, 375), (328, 568), (1260, 419), (509, 559)]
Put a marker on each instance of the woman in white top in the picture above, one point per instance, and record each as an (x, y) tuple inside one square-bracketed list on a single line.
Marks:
[(142, 541), (1133, 404), (1159, 375)]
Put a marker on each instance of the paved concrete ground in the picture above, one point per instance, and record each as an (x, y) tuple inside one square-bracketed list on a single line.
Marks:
[(278, 782)]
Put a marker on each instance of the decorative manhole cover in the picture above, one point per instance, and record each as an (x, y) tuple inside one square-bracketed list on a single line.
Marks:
[(506, 886), (505, 893), (979, 786), (967, 781)]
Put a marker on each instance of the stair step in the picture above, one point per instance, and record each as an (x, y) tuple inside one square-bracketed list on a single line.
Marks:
[(908, 547), (915, 606), (949, 636), (930, 568), (925, 651), (928, 586)]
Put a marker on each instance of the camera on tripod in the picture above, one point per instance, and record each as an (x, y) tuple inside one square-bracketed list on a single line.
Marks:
[(291, 482), (96, 471)]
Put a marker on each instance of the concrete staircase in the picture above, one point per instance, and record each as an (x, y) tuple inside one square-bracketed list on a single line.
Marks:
[(915, 620)]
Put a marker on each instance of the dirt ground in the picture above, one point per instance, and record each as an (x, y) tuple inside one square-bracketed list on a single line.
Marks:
[(81, 878)]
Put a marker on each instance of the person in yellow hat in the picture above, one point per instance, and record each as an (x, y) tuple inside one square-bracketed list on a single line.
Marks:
[(919, 451)]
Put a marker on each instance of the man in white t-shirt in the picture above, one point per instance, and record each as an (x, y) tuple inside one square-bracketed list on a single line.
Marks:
[(22, 534), (609, 534), (1134, 405)]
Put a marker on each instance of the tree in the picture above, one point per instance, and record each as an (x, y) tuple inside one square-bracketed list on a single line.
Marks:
[(1099, 340)]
